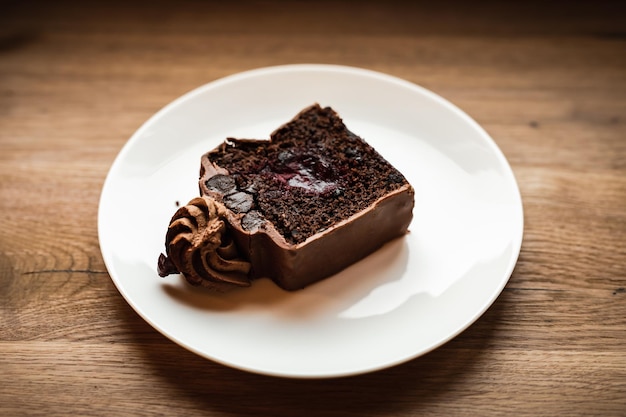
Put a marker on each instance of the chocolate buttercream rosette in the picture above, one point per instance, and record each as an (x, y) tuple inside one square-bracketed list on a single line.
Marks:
[(199, 247)]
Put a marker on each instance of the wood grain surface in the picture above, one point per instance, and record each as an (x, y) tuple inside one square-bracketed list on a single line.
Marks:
[(547, 81)]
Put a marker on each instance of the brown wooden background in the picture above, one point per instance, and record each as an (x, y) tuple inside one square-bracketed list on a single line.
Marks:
[(547, 81)]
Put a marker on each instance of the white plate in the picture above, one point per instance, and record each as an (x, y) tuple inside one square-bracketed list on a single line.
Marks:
[(408, 298)]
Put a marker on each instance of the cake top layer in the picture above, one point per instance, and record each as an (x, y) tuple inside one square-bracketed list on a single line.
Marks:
[(311, 174)]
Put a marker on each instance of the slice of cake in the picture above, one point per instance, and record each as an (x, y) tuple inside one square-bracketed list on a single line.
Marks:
[(298, 208)]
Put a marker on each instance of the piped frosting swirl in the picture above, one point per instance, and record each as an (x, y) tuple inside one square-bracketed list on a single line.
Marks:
[(198, 245)]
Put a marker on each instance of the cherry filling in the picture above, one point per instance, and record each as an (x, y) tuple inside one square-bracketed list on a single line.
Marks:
[(311, 173)]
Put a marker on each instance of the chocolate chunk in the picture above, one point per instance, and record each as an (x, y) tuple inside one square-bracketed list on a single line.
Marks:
[(239, 202), (224, 184), (252, 221), (165, 266)]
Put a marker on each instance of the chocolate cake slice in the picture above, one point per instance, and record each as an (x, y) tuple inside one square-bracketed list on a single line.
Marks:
[(296, 208)]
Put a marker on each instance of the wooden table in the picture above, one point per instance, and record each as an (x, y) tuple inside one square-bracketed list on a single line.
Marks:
[(547, 82)]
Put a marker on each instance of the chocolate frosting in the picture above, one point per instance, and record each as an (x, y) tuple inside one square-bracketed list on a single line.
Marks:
[(199, 246)]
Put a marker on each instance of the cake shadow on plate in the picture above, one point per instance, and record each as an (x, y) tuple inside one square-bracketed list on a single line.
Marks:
[(326, 297)]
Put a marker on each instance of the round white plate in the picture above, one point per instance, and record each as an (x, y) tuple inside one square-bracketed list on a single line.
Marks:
[(408, 298)]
